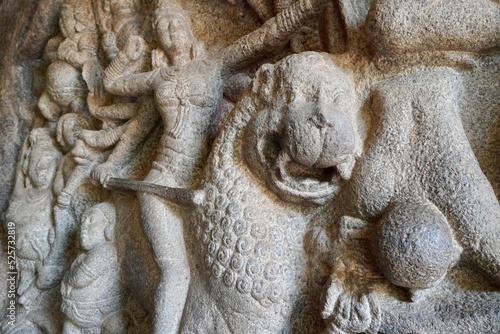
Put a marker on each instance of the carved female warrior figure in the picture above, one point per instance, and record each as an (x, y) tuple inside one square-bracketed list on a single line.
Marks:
[(31, 206), (186, 98), (31, 210), (188, 94)]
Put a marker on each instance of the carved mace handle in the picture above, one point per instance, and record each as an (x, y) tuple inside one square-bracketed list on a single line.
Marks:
[(181, 196)]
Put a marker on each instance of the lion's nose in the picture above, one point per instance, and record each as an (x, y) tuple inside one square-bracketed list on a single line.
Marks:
[(338, 140)]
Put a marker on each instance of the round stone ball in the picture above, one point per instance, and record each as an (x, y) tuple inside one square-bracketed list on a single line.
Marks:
[(413, 245)]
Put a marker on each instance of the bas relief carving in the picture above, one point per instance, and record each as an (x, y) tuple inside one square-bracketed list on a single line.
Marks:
[(91, 290), (312, 176)]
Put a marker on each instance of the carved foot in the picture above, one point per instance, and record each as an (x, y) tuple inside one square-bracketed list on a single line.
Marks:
[(347, 312)]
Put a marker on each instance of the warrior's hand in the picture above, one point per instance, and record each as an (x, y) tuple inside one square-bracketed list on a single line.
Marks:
[(103, 173), (64, 199), (135, 48), (109, 45)]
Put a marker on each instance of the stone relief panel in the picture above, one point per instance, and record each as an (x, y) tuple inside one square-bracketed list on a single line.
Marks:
[(317, 170)]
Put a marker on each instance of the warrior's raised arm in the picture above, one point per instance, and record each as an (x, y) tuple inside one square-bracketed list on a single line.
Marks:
[(118, 77), (270, 38)]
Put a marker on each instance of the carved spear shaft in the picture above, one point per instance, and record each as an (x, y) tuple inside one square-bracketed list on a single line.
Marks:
[(181, 196)]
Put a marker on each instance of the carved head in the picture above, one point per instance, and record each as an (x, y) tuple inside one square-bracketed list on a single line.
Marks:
[(43, 159), (97, 225), (69, 128), (305, 139), (174, 32), (64, 83), (76, 16)]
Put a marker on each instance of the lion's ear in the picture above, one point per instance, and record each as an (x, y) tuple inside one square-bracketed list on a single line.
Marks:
[(263, 83)]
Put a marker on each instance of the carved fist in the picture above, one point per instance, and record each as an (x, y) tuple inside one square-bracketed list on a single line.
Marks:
[(64, 199), (49, 275), (135, 48), (109, 45), (109, 40), (103, 173)]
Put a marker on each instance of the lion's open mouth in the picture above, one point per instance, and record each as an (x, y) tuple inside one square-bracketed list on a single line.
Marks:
[(298, 183)]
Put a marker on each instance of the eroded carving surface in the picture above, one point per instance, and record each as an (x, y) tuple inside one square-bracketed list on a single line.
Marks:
[(313, 175)]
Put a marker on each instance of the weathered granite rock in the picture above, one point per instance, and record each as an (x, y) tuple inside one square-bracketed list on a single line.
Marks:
[(285, 166)]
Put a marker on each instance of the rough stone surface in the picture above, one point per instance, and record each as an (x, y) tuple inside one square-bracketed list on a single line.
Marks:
[(251, 166)]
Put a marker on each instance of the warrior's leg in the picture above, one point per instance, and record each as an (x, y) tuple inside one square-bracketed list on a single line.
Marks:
[(163, 225)]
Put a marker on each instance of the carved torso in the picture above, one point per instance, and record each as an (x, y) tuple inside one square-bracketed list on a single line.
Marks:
[(92, 289), (188, 99)]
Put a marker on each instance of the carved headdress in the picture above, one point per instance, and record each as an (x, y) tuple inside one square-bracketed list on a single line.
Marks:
[(172, 9), (42, 143), (165, 8)]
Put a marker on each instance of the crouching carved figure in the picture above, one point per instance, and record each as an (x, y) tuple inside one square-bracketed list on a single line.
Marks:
[(92, 291)]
